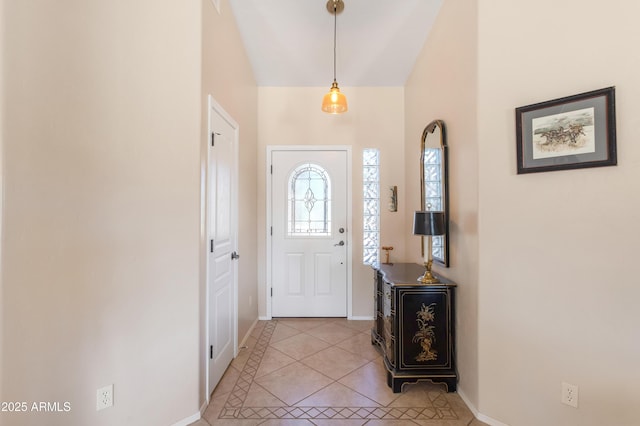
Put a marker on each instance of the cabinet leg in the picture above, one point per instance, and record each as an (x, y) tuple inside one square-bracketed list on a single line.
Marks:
[(450, 382), (451, 385)]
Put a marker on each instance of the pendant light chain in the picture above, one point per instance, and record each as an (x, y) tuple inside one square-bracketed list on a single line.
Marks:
[(335, 32)]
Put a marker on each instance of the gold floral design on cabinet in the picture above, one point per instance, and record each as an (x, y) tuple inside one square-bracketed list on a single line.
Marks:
[(425, 335)]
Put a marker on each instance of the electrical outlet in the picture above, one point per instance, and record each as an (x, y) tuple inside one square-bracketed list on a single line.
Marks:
[(104, 398), (569, 394)]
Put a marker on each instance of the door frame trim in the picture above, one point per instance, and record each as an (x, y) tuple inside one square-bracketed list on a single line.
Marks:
[(204, 245), (268, 176)]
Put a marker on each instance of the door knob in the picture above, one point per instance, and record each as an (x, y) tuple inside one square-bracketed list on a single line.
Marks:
[(235, 256), (341, 243)]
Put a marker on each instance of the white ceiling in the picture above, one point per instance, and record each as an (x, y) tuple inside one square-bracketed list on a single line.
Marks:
[(290, 42)]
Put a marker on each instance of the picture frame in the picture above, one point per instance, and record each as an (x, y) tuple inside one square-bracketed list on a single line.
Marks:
[(573, 132)]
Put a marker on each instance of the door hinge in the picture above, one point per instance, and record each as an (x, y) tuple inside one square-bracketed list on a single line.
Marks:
[(271, 291), (211, 246), (213, 138), (211, 352), (272, 169), (272, 230)]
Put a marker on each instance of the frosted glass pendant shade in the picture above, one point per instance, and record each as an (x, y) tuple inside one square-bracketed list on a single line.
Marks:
[(334, 102)]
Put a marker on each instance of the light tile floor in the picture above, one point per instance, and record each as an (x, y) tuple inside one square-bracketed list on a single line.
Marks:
[(322, 371)]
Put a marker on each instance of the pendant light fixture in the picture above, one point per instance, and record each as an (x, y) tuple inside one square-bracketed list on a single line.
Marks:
[(334, 102)]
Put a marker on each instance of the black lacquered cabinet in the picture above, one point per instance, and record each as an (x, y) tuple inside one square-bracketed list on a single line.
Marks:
[(414, 326)]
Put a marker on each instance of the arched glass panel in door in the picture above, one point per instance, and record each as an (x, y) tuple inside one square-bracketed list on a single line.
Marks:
[(309, 201)]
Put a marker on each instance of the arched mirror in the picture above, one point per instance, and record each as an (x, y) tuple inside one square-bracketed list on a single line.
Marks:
[(434, 186)]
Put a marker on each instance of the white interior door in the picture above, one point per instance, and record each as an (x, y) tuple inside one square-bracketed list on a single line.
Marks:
[(309, 233), (222, 236)]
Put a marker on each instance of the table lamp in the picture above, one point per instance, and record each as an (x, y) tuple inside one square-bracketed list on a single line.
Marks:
[(428, 223)]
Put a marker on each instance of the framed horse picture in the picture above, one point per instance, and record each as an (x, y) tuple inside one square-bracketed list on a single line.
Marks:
[(567, 133)]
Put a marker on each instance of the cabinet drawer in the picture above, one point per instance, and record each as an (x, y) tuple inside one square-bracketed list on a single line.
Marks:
[(380, 324), (388, 298), (390, 351), (389, 340)]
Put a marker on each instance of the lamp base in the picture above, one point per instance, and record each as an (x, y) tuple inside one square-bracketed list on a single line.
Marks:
[(428, 277)]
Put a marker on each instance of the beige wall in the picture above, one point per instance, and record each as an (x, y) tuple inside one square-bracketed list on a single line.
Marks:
[(227, 76), (551, 289), (558, 251), (101, 208), (2, 74), (443, 86), (292, 116)]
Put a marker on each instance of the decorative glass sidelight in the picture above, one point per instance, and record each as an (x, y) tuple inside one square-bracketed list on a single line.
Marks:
[(371, 202), (309, 201)]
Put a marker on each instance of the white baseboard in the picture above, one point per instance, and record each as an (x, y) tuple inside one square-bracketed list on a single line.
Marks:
[(488, 420), (464, 398), (191, 419), (264, 318), (478, 415), (248, 334)]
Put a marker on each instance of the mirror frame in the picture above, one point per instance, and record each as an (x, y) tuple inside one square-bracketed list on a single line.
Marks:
[(431, 127)]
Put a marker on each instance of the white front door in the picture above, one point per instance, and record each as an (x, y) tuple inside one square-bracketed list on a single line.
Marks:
[(309, 233), (221, 228)]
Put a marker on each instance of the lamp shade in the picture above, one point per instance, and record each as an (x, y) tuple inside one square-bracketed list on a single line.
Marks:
[(334, 102), (428, 223)]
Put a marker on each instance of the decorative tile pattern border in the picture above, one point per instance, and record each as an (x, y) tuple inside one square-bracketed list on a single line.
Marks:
[(239, 393), (440, 408)]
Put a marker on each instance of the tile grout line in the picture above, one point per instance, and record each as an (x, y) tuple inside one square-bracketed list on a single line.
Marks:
[(233, 408), (238, 394), (300, 361)]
